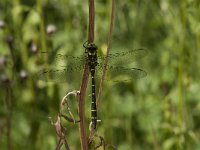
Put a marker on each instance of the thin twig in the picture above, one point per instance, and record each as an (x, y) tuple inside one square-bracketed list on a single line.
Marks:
[(82, 108), (9, 118), (91, 21), (60, 132), (85, 77), (64, 104), (108, 49), (9, 90)]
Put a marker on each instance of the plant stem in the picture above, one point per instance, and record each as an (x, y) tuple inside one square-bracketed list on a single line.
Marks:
[(42, 31), (83, 138)]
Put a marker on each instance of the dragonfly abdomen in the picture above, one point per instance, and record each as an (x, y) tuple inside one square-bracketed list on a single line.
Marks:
[(93, 104), (91, 50)]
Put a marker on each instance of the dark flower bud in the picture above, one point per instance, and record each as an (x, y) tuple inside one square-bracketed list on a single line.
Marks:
[(4, 80), (2, 24), (33, 47), (9, 40), (23, 74), (2, 62), (50, 29)]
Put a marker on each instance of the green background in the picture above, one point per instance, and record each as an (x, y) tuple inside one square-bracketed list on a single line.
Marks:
[(160, 111)]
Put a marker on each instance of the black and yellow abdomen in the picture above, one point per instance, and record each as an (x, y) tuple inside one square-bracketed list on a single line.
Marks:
[(91, 50)]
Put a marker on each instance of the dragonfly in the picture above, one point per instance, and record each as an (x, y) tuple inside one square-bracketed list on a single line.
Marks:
[(61, 72)]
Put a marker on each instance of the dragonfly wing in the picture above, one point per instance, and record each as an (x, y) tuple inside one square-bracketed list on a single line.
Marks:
[(124, 57), (60, 74), (121, 74), (60, 59), (61, 68)]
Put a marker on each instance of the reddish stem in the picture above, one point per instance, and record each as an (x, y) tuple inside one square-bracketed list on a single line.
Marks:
[(83, 138)]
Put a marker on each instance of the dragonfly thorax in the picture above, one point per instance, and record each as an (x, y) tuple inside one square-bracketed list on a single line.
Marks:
[(91, 50)]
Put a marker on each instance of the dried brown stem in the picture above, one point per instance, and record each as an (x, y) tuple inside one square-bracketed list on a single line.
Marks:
[(83, 138), (82, 109), (107, 52), (60, 132), (91, 21)]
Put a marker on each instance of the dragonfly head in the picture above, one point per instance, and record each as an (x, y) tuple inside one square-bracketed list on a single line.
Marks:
[(92, 47)]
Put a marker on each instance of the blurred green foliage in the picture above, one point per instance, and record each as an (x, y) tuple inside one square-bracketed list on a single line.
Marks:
[(160, 111)]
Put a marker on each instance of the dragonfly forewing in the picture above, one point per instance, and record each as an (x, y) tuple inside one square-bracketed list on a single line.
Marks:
[(60, 74), (125, 57), (61, 59)]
